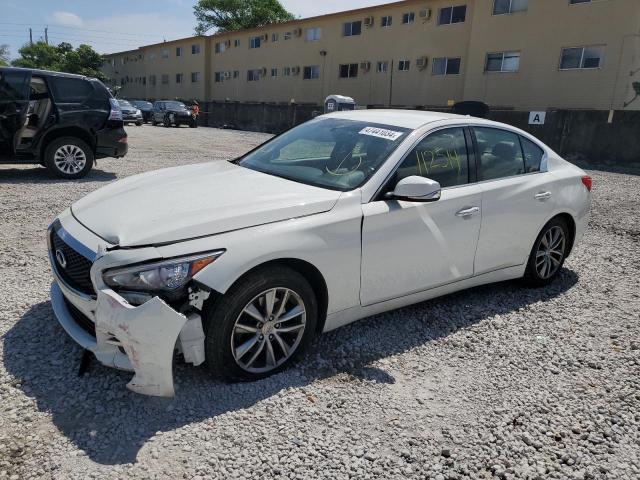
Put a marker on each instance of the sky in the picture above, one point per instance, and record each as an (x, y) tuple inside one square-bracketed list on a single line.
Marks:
[(116, 25)]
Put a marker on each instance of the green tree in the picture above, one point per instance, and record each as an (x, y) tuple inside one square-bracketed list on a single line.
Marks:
[(230, 15), (84, 60), (4, 55)]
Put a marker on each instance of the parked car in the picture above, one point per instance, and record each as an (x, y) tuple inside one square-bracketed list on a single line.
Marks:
[(172, 113), (61, 121), (145, 107), (130, 113), (239, 264)]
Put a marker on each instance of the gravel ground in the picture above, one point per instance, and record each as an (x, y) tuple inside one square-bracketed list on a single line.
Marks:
[(496, 382)]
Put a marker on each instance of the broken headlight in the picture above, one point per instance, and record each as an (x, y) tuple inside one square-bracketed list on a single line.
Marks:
[(167, 275)]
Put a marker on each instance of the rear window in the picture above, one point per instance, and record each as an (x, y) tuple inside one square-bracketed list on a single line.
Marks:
[(70, 90), (14, 86)]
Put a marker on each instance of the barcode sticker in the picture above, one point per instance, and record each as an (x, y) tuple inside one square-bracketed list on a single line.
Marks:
[(381, 133)]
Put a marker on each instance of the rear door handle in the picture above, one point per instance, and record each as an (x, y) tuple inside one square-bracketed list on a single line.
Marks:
[(542, 196), (467, 212)]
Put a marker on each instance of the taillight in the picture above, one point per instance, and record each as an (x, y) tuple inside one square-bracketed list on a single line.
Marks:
[(115, 113), (123, 140), (587, 182)]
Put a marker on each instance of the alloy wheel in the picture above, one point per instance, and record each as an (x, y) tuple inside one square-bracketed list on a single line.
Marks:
[(550, 252), (70, 159), (268, 330)]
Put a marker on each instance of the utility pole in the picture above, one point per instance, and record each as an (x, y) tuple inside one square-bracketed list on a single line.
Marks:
[(46, 35), (30, 36)]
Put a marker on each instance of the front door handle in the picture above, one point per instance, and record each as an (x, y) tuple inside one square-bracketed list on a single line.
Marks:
[(468, 212), (542, 196)]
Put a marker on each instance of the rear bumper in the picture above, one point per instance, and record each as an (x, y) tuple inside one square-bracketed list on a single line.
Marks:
[(112, 142)]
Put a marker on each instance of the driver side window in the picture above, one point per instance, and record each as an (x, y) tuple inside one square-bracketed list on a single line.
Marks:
[(442, 156)]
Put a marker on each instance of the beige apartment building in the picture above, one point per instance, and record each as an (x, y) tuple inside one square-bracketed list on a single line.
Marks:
[(519, 54)]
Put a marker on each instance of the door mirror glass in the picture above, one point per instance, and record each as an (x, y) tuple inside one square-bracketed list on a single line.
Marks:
[(417, 189)]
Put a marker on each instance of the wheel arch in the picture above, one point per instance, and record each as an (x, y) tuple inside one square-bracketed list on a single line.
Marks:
[(309, 271), (571, 223), (67, 132)]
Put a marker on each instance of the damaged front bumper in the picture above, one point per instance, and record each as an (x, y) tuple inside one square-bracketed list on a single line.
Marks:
[(141, 338)]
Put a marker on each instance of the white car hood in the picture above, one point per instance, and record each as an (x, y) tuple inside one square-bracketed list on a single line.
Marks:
[(194, 201)]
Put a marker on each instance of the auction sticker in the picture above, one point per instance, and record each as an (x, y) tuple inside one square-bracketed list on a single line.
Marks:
[(381, 133)]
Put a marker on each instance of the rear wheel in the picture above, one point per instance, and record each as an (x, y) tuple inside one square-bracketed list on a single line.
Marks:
[(68, 157), (548, 254), (261, 325)]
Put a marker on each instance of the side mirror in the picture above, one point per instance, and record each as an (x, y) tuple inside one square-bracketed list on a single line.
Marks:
[(417, 189)]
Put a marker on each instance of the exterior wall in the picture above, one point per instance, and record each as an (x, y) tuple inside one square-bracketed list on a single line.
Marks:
[(539, 34)]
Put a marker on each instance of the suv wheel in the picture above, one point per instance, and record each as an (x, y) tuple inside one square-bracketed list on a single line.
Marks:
[(260, 325), (68, 157)]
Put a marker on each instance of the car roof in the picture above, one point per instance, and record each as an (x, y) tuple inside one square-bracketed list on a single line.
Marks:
[(46, 72), (412, 119)]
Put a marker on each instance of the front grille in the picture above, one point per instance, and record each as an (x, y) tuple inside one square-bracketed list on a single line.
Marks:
[(81, 319), (76, 273)]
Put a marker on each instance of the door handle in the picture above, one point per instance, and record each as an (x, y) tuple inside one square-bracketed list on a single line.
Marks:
[(542, 196), (467, 212)]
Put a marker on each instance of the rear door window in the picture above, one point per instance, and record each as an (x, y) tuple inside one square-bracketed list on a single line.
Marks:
[(14, 86), (532, 155), (500, 153), (70, 90)]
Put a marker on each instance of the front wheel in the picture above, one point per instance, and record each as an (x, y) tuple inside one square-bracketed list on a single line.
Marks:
[(260, 325), (68, 157), (548, 254)]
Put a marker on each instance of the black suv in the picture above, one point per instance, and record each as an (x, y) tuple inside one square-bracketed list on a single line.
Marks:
[(62, 121), (172, 112)]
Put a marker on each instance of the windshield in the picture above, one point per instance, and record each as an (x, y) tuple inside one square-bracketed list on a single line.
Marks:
[(328, 152), (175, 105), (142, 104), (124, 103)]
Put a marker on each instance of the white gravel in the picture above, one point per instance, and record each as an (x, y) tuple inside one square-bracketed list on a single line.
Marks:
[(496, 382)]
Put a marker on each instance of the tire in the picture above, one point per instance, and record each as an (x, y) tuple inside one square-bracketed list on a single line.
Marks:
[(544, 264), (220, 322), (61, 153), (154, 123), (138, 124)]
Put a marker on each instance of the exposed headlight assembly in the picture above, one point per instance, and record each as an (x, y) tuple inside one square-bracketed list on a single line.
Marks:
[(166, 275)]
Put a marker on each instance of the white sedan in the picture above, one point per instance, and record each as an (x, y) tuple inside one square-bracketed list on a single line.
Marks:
[(239, 264)]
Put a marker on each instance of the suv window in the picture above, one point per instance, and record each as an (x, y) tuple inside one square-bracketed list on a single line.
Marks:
[(500, 153), (70, 90), (532, 155), (441, 156), (14, 86)]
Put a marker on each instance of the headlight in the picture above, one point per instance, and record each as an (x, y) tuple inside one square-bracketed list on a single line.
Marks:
[(138, 112), (167, 275)]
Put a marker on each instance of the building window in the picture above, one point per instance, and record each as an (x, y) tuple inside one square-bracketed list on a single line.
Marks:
[(349, 70), (219, 77), (286, 71), (144, 80), (450, 15), (408, 18), (179, 78), (313, 34), (254, 42), (446, 66), (195, 49), (382, 67), (386, 21), (581, 58), (287, 35), (404, 65), (165, 53), (253, 75), (275, 37), (576, 2), (195, 77), (351, 29), (236, 74), (503, 62), (502, 7), (220, 47), (236, 43), (165, 79), (274, 72), (178, 51), (152, 79), (312, 72)]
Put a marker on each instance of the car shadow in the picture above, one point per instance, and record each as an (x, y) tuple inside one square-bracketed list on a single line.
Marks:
[(111, 424), (38, 174)]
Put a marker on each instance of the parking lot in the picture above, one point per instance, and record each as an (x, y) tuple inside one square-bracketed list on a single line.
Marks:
[(496, 382)]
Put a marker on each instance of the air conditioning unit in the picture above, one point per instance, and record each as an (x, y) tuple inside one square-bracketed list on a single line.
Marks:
[(297, 32), (365, 66), (368, 22), (425, 13), (295, 70), (227, 74), (422, 63)]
